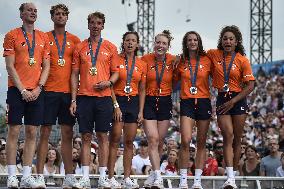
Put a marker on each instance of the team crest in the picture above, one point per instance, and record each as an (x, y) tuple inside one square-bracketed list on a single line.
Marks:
[(23, 44), (68, 43), (121, 66), (50, 43)]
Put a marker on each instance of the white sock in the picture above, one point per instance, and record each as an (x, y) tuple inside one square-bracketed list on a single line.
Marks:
[(158, 173), (12, 170), (183, 174), (235, 172), (69, 175), (198, 173), (26, 171), (86, 170), (230, 172), (102, 171)]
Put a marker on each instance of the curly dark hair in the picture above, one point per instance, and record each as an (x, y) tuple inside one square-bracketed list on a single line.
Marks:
[(123, 39), (59, 6), (98, 15), (200, 50), (236, 31), (167, 34)]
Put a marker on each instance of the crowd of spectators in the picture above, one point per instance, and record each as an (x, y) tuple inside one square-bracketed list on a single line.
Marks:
[(262, 142)]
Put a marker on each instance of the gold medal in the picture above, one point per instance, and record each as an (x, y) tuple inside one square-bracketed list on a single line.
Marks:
[(61, 62), (32, 61), (93, 71)]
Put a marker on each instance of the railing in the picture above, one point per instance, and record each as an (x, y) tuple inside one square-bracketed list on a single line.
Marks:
[(208, 182)]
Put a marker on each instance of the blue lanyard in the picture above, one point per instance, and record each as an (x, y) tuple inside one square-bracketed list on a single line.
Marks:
[(30, 49), (227, 73), (60, 52), (94, 58), (160, 77), (129, 73), (193, 76)]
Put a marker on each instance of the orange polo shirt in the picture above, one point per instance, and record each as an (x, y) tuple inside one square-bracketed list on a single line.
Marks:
[(59, 76), (15, 44), (240, 72), (151, 83), (202, 78), (106, 63), (139, 75)]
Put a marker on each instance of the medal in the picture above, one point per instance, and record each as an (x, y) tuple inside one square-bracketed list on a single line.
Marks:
[(127, 89), (159, 77), (193, 75), (226, 88), (93, 71), (31, 49), (61, 62), (32, 61), (193, 90), (227, 72)]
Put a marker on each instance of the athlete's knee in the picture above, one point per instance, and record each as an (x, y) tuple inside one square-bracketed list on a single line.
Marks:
[(30, 132)]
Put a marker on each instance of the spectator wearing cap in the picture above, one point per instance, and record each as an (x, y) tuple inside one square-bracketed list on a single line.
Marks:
[(270, 163), (280, 169), (141, 159)]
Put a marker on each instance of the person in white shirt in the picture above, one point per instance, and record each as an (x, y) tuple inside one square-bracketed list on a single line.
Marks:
[(280, 169), (141, 159)]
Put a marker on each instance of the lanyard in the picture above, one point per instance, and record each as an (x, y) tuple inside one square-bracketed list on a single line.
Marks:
[(160, 77), (60, 52), (193, 75), (94, 58), (30, 49), (227, 72), (129, 73)]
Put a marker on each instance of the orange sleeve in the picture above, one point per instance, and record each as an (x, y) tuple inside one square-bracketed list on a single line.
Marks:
[(9, 44), (76, 40), (114, 60), (247, 71), (144, 74), (76, 58), (46, 52)]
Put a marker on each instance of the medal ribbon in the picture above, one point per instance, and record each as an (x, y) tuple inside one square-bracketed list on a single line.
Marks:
[(30, 49), (129, 73), (160, 77), (60, 52), (193, 75), (227, 73), (94, 58)]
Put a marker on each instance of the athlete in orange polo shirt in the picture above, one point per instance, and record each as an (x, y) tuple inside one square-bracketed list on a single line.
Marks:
[(194, 70), (128, 97), (158, 102), (95, 59), (26, 53), (232, 76), (57, 97)]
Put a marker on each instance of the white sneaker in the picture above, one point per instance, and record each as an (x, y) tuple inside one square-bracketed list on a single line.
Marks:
[(113, 183), (197, 184), (103, 183), (230, 183), (158, 183), (69, 181), (183, 184), (129, 184), (12, 182), (82, 183), (40, 181), (29, 182), (150, 180)]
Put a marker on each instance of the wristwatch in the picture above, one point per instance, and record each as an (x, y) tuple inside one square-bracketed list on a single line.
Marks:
[(40, 86)]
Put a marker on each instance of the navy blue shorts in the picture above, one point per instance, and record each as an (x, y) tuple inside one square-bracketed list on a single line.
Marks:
[(196, 108), (56, 105), (98, 110), (158, 111), (239, 108), (19, 108), (129, 108)]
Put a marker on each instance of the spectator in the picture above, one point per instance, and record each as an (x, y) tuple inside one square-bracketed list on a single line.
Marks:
[(141, 159), (93, 162), (77, 142), (52, 162), (270, 163), (280, 169), (250, 166), (3, 161), (170, 167), (281, 139), (211, 165)]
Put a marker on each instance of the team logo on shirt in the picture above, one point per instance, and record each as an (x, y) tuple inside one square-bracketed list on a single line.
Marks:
[(220, 62), (68, 43), (201, 66), (152, 67), (121, 66), (104, 53), (234, 66), (88, 53), (23, 44), (50, 43)]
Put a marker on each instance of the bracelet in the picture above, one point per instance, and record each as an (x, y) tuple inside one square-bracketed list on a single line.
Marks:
[(22, 92), (115, 104), (73, 101), (111, 83), (40, 86)]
